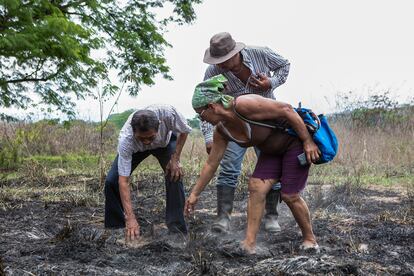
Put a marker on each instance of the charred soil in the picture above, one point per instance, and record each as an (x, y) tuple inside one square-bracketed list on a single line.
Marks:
[(360, 231)]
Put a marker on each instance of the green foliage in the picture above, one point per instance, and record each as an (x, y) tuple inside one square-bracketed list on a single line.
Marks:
[(65, 160), (19, 141), (194, 122), (46, 47), (348, 102), (10, 156), (119, 119), (377, 110)]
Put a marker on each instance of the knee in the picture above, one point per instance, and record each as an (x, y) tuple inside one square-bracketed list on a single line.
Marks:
[(290, 198), (257, 187)]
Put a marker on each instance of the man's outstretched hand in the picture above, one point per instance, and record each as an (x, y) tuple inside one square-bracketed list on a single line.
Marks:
[(131, 229)]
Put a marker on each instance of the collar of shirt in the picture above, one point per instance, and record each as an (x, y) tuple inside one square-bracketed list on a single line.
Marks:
[(246, 59)]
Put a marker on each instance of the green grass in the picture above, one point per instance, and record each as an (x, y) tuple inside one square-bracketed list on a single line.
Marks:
[(46, 167), (66, 160), (74, 193), (58, 165)]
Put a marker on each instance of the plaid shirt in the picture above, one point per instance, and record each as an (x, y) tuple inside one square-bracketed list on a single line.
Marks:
[(258, 60), (170, 121)]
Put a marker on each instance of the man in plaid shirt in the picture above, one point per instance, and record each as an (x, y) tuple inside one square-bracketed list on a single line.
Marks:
[(156, 130), (257, 70)]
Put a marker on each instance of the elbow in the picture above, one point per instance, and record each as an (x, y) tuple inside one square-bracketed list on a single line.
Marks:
[(123, 181), (285, 74), (212, 165), (288, 111)]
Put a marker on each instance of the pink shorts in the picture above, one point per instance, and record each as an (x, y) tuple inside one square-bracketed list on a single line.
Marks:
[(284, 168)]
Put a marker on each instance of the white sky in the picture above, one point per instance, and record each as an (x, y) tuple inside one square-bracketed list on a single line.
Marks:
[(333, 46)]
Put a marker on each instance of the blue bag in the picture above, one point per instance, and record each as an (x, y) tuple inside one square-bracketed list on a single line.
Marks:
[(321, 132)]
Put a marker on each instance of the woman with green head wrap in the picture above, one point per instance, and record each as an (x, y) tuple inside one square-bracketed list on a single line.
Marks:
[(211, 91), (242, 120)]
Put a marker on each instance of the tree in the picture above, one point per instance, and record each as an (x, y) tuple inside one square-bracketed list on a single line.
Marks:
[(52, 51)]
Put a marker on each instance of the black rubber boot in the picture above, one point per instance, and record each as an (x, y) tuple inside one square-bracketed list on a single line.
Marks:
[(270, 219), (225, 197)]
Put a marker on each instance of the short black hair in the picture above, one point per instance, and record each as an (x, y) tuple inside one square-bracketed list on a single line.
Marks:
[(144, 120)]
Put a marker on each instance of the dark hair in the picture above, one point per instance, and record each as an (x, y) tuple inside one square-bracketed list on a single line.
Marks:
[(144, 120)]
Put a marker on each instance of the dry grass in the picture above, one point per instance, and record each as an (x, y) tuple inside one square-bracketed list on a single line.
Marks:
[(381, 150), (367, 155), (77, 192)]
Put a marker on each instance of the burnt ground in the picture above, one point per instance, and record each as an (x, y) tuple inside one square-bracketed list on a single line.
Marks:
[(361, 231)]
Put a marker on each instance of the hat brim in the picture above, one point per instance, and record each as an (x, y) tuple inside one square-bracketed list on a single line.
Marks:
[(216, 60)]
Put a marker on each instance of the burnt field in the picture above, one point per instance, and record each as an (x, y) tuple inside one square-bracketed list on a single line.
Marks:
[(59, 230)]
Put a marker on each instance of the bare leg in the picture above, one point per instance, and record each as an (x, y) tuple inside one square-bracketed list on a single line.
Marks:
[(301, 213), (257, 198)]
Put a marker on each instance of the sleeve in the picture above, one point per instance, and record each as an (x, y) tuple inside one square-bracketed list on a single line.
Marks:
[(177, 122), (207, 129), (124, 159), (278, 65), (211, 71)]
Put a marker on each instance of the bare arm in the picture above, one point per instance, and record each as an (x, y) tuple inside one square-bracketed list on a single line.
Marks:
[(207, 172), (260, 108), (132, 226)]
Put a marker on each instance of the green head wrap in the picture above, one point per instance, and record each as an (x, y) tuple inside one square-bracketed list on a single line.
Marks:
[(210, 91)]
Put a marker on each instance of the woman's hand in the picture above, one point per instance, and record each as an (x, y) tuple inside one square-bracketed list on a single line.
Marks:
[(190, 204), (311, 150)]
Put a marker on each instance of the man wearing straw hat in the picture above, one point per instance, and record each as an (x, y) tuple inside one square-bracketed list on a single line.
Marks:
[(257, 70)]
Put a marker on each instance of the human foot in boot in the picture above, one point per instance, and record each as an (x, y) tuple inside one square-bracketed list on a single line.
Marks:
[(225, 197), (271, 224), (221, 225)]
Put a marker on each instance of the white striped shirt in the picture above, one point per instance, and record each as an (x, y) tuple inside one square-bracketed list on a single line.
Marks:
[(170, 121), (258, 60)]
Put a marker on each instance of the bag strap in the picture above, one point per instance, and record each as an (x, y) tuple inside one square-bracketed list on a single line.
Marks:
[(256, 122), (311, 127)]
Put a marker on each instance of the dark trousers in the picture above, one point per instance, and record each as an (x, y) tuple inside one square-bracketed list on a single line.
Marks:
[(174, 216)]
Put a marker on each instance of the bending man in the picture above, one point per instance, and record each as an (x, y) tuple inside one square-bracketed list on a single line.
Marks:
[(159, 131)]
